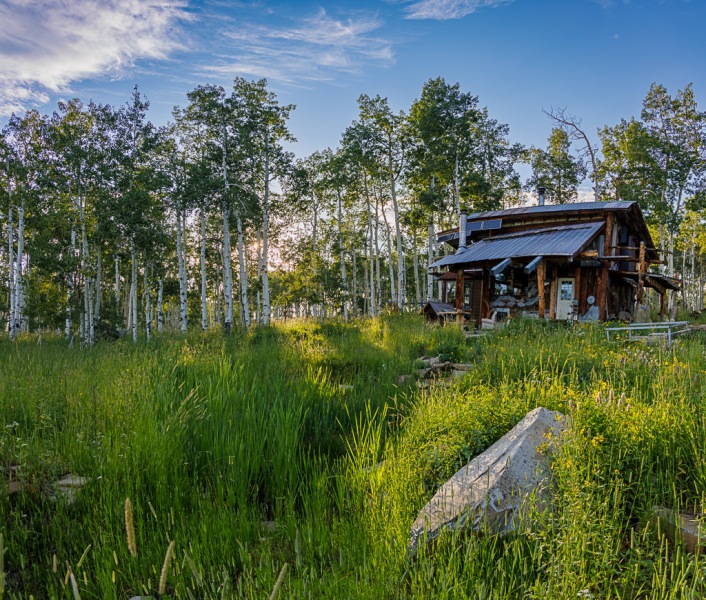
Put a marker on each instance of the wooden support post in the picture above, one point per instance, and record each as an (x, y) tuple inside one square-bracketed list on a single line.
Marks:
[(642, 269), (663, 297), (602, 291), (459, 297), (459, 290), (541, 270), (552, 295), (577, 290), (485, 296)]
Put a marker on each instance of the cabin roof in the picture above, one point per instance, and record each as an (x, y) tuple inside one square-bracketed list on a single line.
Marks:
[(559, 241), (494, 222), (575, 207)]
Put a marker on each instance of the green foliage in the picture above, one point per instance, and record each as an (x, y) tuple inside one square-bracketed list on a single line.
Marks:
[(296, 444)]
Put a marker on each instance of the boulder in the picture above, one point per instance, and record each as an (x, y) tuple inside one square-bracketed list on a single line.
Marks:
[(68, 487), (490, 491), (683, 526)]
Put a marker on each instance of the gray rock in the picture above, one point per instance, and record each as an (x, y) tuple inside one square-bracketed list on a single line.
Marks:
[(682, 526), (68, 487), (490, 491), (624, 315), (591, 315), (462, 367)]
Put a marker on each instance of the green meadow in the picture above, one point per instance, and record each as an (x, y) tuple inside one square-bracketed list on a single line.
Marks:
[(297, 452)]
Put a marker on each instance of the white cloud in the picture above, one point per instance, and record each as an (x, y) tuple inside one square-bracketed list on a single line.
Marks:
[(311, 49), (45, 45), (449, 9)]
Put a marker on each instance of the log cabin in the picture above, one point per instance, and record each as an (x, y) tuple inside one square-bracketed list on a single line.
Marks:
[(584, 261)]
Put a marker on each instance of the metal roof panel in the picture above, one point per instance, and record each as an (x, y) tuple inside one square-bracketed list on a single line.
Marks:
[(565, 240)]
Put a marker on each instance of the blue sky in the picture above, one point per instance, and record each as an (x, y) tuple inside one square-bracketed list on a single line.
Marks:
[(596, 58)]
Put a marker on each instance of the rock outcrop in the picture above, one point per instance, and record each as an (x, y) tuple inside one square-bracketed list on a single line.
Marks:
[(490, 491)]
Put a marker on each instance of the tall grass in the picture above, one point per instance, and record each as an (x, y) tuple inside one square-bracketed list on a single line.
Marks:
[(296, 445)]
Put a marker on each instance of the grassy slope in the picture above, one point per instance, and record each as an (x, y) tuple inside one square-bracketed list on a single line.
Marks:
[(211, 437)]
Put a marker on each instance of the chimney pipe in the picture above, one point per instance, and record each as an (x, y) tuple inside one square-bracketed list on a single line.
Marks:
[(462, 220), (541, 191)]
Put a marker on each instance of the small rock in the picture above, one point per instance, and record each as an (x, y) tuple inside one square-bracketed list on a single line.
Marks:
[(491, 490), (462, 367), (682, 526), (269, 526), (402, 379), (434, 361), (15, 487), (458, 374), (68, 487), (422, 373)]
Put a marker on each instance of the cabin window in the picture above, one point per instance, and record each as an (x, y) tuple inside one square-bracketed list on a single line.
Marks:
[(567, 290)]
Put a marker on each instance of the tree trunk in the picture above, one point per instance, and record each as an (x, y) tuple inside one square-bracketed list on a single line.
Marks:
[(146, 303), (11, 264), (430, 260), (378, 305), (266, 307), (314, 248), (97, 290), (243, 272), (393, 291), (181, 264), (204, 307), (400, 254), (117, 283), (133, 291), (354, 297), (160, 305), (227, 271), (344, 278), (19, 290)]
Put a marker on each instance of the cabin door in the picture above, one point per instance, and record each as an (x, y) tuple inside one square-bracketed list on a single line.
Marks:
[(565, 296)]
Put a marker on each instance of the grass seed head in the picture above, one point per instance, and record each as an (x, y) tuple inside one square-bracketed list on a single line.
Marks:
[(130, 528)]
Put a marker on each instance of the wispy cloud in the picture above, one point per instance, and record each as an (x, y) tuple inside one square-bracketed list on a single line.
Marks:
[(310, 49), (46, 45), (442, 10)]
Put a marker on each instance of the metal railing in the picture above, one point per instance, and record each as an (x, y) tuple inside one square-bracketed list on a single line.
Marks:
[(669, 330)]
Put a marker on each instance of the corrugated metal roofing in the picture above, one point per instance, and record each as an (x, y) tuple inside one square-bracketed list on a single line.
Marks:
[(550, 208), (565, 240)]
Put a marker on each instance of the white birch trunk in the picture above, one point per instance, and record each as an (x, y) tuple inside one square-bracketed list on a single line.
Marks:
[(146, 301), (19, 295), (97, 288), (393, 290), (243, 272), (227, 271), (160, 305), (11, 271), (133, 292), (314, 247), (430, 259), (378, 305), (415, 266), (181, 265), (258, 239), (204, 307), (354, 297), (371, 274), (400, 253), (344, 277), (117, 283), (266, 305)]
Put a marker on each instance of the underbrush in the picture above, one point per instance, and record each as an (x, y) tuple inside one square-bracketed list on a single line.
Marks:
[(298, 445)]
